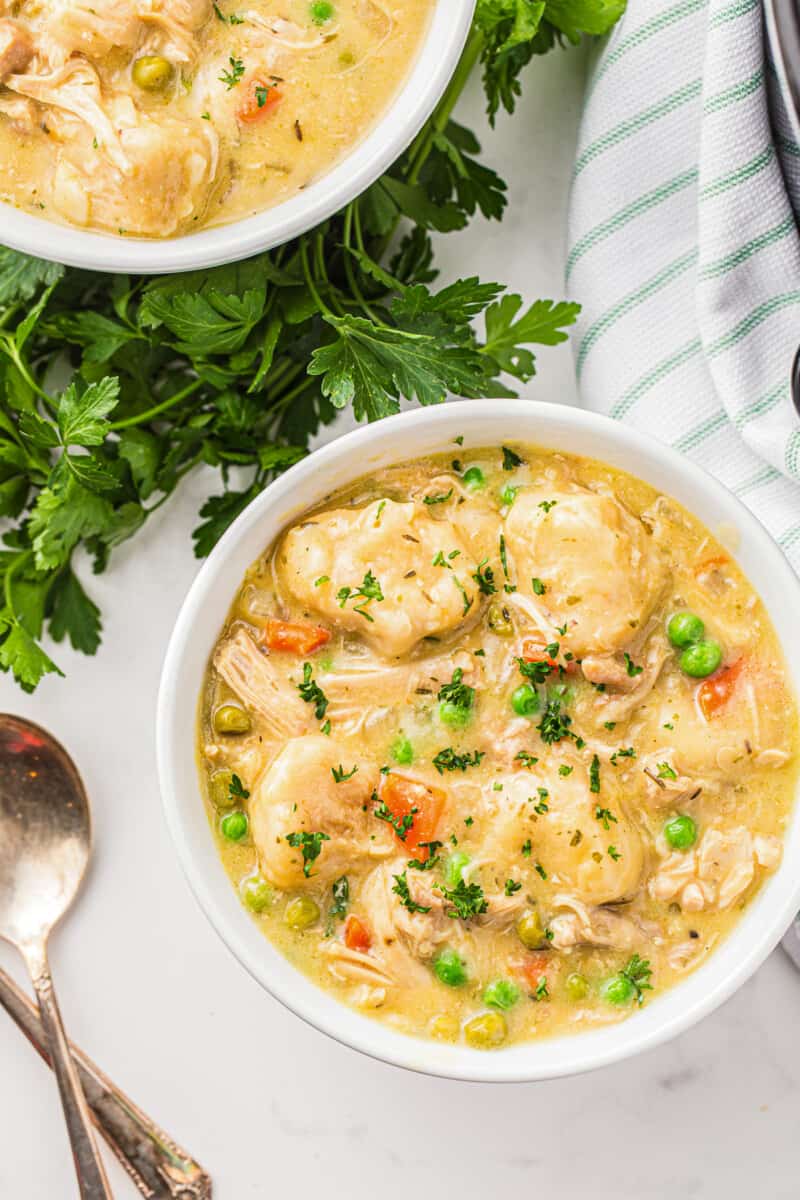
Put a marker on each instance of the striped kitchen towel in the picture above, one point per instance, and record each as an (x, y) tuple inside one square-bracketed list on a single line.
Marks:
[(684, 248)]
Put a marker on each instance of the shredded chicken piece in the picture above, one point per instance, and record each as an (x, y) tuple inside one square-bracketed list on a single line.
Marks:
[(593, 927), (716, 872), (363, 685), (16, 49), (401, 940), (299, 794), (263, 688), (95, 27), (635, 689)]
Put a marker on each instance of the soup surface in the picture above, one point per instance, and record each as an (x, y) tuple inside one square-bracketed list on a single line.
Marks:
[(153, 117), (497, 745)]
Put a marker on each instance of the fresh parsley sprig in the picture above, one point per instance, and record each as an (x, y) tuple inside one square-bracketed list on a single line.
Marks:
[(237, 367)]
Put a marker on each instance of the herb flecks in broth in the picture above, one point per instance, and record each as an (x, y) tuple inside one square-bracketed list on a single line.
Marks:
[(520, 816)]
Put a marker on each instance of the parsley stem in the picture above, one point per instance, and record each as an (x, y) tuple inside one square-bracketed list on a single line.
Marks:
[(9, 348), (348, 268), (145, 417), (16, 566), (309, 278), (441, 117)]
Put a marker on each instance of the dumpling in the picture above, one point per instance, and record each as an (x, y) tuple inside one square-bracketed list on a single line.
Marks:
[(388, 571), (567, 840), (595, 560), (298, 794)]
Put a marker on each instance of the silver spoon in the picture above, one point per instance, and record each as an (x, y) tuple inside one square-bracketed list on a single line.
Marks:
[(45, 841)]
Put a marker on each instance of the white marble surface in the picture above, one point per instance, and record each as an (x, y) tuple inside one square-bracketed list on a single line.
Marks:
[(271, 1107)]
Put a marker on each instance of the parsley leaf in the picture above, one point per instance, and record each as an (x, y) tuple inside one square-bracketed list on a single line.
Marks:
[(311, 846), (312, 693), (448, 760), (401, 889), (467, 900)]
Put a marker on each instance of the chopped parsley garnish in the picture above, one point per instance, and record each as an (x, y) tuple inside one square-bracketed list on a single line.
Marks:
[(232, 77), (594, 775), (512, 886), (401, 825), (527, 760), (431, 861), (565, 770), (510, 459), (554, 725), (401, 889), (369, 589), (261, 92), (610, 725), (638, 972), (441, 561), (467, 900), (605, 815), (526, 848), (467, 600), (457, 693), (665, 771), (614, 853), (538, 587), (541, 807), (438, 499), (312, 693), (668, 725), (540, 870), (340, 775), (448, 760), (503, 555), (631, 667), (484, 577), (340, 890), (546, 505), (237, 790), (326, 728), (623, 752), (311, 846), (233, 19), (541, 992), (322, 579), (537, 671)]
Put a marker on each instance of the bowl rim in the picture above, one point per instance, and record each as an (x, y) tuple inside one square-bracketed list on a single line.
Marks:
[(759, 928), (397, 126)]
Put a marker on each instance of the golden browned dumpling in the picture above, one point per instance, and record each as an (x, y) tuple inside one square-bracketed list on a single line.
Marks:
[(595, 560), (388, 572)]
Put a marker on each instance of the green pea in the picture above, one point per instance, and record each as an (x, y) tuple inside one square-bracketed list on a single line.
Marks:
[(234, 826), (474, 479), (576, 985), (680, 832), (256, 892), (530, 930), (449, 968), (402, 751), (525, 700), (501, 993), (499, 620), (701, 659), (684, 629), (508, 494), (618, 990), (219, 789), (152, 72), (486, 1031), (455, 715), (321, 11), (455, 867), (232, 719), (301, 913)]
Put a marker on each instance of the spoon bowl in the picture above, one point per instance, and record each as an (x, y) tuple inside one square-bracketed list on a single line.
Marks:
[(45, 831), (45, 843)]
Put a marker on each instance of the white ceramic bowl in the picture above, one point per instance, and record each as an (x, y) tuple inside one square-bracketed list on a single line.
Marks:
[(392, 133), (424, 431)]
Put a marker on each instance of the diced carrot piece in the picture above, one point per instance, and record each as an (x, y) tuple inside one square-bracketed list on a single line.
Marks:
[(402, 796), (715, 692), (534, 650), (260, 98), (356, 935), (533, 968), (708, 564), (295, 638)]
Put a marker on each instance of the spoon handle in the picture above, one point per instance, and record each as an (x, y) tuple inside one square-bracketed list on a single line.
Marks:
[(157, 1165), (92, 1182)]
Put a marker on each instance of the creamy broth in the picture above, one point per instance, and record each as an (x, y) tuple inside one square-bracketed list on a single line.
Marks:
[(155, 117), (517, 739)]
